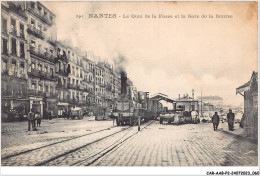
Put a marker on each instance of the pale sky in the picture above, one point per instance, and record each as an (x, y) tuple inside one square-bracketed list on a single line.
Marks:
[(173, 55)]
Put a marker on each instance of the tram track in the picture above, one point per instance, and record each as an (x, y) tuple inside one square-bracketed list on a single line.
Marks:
[(98, 155), (37, 148), (57, 149)]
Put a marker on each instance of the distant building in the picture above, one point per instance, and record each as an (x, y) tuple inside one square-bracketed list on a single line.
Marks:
[(249, 91), (187, 103), (216, 101)]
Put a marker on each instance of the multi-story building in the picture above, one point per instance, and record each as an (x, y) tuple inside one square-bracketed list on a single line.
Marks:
[(62, 71), (90, 77), (117, 83), (14, 57), (99, 85), (41, 70), (108, 81), (75, 79), (44, 75)]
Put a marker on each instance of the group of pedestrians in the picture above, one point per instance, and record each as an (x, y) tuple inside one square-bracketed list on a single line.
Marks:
[(34, 120), (230, 119)]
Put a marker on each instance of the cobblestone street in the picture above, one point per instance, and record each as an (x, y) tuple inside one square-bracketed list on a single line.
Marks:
[(99, 143)]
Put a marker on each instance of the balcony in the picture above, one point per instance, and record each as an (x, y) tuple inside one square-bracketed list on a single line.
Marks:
[(41, 16), (50, 95), (22, 35), (72, 86), (42, 75), (44, 56), (61, 86), (64, 100), (14, 32), (32, 92), (5, 75), (17, 9), (37, 33), (81, 87), (62, 58)]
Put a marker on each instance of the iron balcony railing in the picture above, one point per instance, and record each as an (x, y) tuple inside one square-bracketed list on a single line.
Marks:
[(36, 32), (45, 56)]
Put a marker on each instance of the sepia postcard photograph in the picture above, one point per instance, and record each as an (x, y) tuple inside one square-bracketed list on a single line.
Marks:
[(168, 84)]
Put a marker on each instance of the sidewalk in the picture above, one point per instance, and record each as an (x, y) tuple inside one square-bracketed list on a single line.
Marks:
[(241, 145)]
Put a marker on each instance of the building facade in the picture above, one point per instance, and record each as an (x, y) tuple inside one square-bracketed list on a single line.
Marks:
[(47, 76), (14, 41), (249, 91), (41, 70)]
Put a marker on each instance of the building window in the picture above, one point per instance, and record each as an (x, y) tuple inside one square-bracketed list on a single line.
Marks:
[(13, 46), (39, 8), (33, 44), (51, 89), (45, 13), (39, 48), (40, 87), (46, 89), (51, 71), (13, 26), (33, 65), (40, 67), (45, 69), (51, 18), (23, 89), (33, 22), (39, 27), (4, 25), (22, 54), (13, 67), (5, 49), (21, 30), (51, 51), (33, 5), (22, 68)]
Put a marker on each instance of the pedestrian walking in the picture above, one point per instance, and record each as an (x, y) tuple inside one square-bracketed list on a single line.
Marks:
[(64, 114), (49, 115), (34, 122), (231, 119), (30, 118), (38, 119), (215, 121)]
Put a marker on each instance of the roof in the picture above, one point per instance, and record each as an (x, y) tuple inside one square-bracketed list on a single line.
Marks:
[(247, 85), (161, 96), (243, 88)]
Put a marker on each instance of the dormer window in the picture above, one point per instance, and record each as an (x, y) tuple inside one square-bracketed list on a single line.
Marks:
[(40, 8), (32, 5)]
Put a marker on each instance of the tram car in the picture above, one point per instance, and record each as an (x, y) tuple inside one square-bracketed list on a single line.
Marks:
[(129, 107)]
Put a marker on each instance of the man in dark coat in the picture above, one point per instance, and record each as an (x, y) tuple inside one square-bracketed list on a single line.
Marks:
[(230, 118), (215, 121)]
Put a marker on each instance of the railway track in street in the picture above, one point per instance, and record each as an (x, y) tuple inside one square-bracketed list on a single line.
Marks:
[(30, 150), (45, 154)]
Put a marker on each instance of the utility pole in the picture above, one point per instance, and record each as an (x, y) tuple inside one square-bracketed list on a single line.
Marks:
[(201, 102), (139, 122)]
